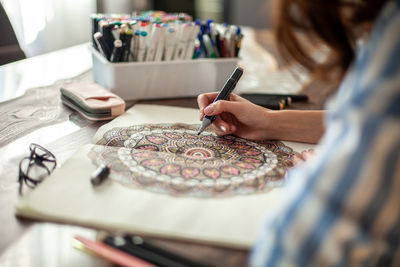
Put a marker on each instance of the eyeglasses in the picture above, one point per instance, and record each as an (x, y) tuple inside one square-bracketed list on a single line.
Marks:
[(33, 169)]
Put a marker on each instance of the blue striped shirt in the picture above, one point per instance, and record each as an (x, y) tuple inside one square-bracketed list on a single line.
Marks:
[(343, 207)]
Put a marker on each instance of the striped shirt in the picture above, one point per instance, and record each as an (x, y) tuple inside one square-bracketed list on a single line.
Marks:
[(342, 208)]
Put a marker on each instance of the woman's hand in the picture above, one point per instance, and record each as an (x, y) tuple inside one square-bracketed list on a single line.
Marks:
[(242, 118), (235, 116)]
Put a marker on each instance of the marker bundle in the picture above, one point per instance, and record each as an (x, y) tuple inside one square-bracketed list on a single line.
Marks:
[(159, 36)]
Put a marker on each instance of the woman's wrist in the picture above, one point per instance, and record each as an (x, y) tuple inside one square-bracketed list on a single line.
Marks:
[(295, 125)]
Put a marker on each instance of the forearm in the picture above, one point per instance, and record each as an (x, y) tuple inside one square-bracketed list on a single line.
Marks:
[(296, 125)]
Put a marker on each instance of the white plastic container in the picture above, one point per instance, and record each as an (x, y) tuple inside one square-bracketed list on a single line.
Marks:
[(165, 79)]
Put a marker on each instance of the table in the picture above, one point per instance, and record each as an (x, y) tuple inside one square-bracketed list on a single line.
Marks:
[(27, 243)]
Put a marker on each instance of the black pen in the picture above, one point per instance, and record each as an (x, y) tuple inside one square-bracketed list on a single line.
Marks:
[(148, 254), (293, 97), (223, 94), (271, 102), (137, 241)]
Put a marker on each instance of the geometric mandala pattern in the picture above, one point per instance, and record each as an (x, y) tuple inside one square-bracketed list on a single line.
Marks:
[(173, 159)]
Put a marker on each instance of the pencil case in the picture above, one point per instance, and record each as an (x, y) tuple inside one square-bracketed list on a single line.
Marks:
[(92, 101)]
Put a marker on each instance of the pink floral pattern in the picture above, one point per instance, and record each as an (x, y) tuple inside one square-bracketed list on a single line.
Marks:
[(173, 159)]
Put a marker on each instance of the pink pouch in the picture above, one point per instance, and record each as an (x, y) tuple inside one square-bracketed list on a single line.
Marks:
[(92, 101)]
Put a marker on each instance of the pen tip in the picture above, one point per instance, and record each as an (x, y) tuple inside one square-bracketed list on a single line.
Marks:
[(200, 130), (206, 122)]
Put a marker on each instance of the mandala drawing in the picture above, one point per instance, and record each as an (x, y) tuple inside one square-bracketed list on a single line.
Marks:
[(173, 159)]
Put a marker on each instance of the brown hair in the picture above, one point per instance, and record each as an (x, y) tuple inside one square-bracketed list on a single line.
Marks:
[(335, 24)]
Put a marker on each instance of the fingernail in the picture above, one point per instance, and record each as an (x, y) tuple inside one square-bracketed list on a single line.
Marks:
[(209, 109), (222, 127)]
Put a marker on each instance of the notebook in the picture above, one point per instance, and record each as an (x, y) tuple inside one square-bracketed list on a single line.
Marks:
[(145, 194)]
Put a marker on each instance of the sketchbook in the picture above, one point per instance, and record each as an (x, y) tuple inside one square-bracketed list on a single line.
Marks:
[(166, 181)]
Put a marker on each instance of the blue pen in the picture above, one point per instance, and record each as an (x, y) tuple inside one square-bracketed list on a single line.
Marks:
[(223, 95), (209, 46), (238, 30), (197, 52), (202, 45), (208, 22), (213, 36), (238, 41)]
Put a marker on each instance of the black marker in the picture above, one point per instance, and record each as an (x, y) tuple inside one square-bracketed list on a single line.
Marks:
[(101, 44), (271, 102), (293, 97), (223, 95), (105, 29), (100, 174), (149, 256), (136, 246), (137, 241), (95, 27), (274, 105), (117, 51)]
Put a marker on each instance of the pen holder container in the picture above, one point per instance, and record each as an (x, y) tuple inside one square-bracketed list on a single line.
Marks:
[(164, 79)]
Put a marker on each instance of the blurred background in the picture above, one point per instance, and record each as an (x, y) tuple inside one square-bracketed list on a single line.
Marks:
[(33, 27)]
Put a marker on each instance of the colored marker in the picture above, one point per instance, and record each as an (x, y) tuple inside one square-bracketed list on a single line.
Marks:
[(142, 46), (105, 29), (160, 44), (191, 42), (207, 42), (238, 41), (274, 105), (294, 97), (170, 43), (268, 101), (136, 45), (127, 49), (153, 42), (221, 44), (212, 33), (201, 40), (136, 247), (104, 49), (134, 25), (115, 32), (117, 51), (137, 241), (182, 42), (95, 27)]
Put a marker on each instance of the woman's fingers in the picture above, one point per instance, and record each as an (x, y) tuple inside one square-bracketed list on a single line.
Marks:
[(221, 127), (231, 105), (235, 97), (204, 100), (222, 106)]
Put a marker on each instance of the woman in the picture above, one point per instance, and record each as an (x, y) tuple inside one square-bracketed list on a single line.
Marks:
[(342, 207)]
